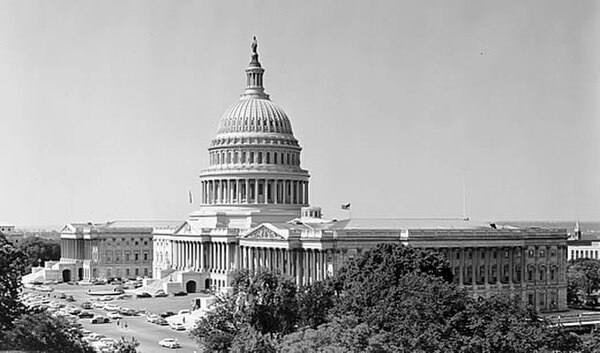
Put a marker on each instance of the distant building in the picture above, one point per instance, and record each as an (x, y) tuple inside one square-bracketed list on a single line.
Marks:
[(583, 243), (5, 227), (11, 233), (255, 214), (120, 249)]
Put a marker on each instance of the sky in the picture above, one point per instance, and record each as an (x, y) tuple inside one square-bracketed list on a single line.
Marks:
[(107, 107)]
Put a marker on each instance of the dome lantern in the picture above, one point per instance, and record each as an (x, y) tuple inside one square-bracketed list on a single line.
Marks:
[(254, 76)]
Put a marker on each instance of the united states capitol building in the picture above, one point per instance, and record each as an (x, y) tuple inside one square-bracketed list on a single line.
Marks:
[(255, 213)]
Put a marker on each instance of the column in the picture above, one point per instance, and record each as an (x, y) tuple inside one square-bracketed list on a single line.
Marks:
[(228, 259)]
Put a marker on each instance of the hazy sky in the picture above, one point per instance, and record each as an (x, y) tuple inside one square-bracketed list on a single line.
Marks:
[(107, 107)]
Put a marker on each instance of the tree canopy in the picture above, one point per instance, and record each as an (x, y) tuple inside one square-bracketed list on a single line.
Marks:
[(12, 265), (583, 279), (391, 298)]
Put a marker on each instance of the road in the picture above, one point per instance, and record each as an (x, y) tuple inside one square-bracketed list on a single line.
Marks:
[(146, 333)]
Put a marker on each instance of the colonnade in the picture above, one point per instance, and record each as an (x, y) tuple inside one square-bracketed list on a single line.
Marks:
[(255, 191), (218, 257), (72, 249), (305, 265)]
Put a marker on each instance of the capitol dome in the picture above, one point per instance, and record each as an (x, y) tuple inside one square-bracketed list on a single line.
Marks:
[(252, 114), (254, 160)]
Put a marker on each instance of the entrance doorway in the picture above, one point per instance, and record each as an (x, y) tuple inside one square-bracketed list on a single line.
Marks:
[(207, 284), (80, 273), (66, 275), (190, 287)]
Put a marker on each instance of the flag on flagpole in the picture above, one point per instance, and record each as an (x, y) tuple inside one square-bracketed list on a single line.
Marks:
[(190, 195), (345, 206)]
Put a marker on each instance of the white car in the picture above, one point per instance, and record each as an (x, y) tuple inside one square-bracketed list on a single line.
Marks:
[(152, 318), (177, 326), (170, 343), (111, 307), (113, 315)]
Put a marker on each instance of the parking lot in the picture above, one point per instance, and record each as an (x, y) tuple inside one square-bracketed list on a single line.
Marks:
[(137, 326)]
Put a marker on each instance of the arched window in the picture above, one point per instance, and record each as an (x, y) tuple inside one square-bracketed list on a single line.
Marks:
[(268, 158), (274, 157), (542, 273)]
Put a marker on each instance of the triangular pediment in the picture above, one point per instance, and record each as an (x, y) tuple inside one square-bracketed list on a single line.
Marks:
[(68, 228), (265, 232), (185, 229)]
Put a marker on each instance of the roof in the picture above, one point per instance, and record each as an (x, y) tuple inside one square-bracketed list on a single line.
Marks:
[(407, 223)]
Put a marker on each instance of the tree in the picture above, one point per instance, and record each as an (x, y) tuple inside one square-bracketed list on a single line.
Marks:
[(260, 304), (314, 303), (505, 324), (12, 265), (372, 277), (583, 278), (126, 346), (40, 249), (39, 331), (268, 299)]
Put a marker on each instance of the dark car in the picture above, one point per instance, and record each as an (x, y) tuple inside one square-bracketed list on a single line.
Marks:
[(85, 314), (179, 294), (143, 295), (167, 314), (100, 320)]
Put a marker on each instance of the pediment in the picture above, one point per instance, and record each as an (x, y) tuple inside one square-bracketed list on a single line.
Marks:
[(185, 229), (264, 232), (68, 228)]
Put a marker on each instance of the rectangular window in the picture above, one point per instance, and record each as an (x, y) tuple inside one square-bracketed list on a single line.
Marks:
[(530, 274), (137, 272), (127, 256), (542, 253), (506, 254), (458, 255), (145, 272), (572, 254), (127, 272), (136, 257), (531, 253), (243, 157), (145, 256)]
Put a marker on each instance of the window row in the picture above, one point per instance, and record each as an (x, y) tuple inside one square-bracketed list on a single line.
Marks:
[(254, 157), (494, 254), (118, 256), (491, 275)]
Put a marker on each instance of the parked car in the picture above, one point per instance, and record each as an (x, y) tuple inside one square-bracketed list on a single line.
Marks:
[(184, 312), (113, 315), (85, 314), (111, 307), (100, 320), (62, 296), (170, 343), (162, 322), (160, 294), (70, 298), (86, 305), (74, 311), (128, 312), (152, 318), (143, 295), (177, 326), (179, 294), (167, 314)]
